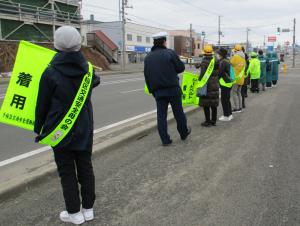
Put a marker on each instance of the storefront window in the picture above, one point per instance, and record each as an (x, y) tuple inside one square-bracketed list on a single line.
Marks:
[(129, 37)]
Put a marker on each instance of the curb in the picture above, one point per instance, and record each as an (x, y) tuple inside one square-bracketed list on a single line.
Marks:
[(99, 148)]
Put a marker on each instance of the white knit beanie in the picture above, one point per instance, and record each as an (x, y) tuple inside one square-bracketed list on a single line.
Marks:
[(67, 39)]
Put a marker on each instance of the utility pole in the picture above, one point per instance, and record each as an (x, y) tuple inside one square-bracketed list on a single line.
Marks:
[(219, 32), (123, 34), (203, 40), (247, 42), (191, 45), (294, 44), (120, 14), (191, 40)]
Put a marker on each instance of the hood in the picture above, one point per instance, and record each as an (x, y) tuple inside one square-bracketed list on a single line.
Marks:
[(240, 53), (70, 64)]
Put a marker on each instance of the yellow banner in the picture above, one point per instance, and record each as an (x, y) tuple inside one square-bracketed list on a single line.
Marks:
[(18, 108), (190, 84)]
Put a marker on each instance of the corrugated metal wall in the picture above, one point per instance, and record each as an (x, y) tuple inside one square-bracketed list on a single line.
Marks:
[(33, 31)]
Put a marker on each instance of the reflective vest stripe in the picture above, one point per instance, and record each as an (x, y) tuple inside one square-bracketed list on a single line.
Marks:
[(223, 83), (208, 73), (65, 126)]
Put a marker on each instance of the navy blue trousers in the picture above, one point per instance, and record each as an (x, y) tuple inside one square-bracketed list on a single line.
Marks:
[(162, 104)]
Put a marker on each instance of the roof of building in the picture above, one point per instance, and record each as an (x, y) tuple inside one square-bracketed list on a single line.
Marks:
[(106, 40)]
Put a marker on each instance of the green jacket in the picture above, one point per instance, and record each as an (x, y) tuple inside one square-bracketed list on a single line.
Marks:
[(269, 67), (276, 64), (254, 68)]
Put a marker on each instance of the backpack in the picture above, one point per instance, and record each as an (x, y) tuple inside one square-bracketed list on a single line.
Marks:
[(232, 74)]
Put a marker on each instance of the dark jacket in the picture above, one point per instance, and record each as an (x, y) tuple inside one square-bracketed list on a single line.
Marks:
[(247, 79), (58, 87), (212, 97), (224, 70), (161, 70)]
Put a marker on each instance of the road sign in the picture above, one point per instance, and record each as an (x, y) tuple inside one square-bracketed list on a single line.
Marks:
[(272, 39)]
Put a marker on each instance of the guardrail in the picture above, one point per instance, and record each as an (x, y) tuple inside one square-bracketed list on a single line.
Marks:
[(23, 12)]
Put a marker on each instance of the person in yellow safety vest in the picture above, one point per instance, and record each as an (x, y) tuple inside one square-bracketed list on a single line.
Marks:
[(238, 63), (254, 72)]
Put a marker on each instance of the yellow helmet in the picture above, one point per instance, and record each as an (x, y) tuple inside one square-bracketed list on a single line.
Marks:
[(208, 49), (237, 47)]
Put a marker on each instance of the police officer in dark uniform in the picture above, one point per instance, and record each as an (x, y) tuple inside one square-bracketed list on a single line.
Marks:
[(162, 67)]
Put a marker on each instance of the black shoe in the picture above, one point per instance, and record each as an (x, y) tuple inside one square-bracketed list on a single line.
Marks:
[(234, 111), (187, 134), (168, 143), (213, 123), (206, 124)]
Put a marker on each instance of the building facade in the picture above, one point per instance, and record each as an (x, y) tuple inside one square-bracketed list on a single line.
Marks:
[(182, 43), (37, 20), (138, 38)]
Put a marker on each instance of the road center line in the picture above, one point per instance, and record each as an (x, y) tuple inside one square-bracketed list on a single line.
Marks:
[(44, 149)]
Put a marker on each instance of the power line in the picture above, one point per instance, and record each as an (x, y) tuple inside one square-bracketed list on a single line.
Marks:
[(99, 7), (204, 10)]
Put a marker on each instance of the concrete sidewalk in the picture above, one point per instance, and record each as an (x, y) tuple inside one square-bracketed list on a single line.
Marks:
[(245, 172)]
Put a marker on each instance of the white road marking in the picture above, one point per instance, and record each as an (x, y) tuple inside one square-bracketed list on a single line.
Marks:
[(106, 83), (24, 156), (132, 91), (122, 81), (44, 149), (108, 78)]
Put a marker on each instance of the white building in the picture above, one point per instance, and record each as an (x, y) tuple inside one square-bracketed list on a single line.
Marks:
[(138, 38)]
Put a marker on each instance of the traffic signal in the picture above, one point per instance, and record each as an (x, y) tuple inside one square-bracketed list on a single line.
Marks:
[(278, 30)]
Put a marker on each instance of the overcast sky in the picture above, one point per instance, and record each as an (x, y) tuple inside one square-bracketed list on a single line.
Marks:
[(261, 16)]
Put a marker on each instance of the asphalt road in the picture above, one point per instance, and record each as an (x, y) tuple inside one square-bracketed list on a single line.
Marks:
[(118, 97), (242, 173)]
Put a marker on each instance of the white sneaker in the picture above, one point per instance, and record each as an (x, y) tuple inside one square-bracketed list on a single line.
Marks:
[(76, 218), (224, 119), (88, 214), (230, 117)]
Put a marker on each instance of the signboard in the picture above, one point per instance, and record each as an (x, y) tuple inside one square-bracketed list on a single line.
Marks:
[(272, 39), (18, 108), (140, 49), (190, 84), (130, 48)]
